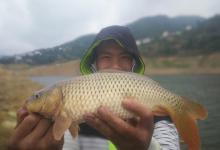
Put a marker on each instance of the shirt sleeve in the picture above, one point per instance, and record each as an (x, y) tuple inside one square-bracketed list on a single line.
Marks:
[(165, 133)]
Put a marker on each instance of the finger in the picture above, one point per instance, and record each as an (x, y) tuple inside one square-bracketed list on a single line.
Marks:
[(21, 114), (145, 114), (49, 134), (26, 126), (41, 129), (119, 125), (100, 126), (48, 139)]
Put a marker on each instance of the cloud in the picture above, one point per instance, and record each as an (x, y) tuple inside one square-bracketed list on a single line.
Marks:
[(32, 24), (14, 24)]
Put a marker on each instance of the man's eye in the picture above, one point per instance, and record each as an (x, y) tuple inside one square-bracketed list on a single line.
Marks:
[(126, 58), (105, 57)]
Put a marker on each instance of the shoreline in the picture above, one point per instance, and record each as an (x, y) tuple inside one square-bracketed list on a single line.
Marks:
[(175, 65), (188, 71), (152, 71)]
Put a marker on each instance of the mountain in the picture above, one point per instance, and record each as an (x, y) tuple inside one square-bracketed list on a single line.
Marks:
[(204, 38), (67, 51), (154, 26), (156, 35)]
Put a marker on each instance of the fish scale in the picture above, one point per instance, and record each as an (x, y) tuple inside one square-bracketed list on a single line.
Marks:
[(108, 89), (68, 101)]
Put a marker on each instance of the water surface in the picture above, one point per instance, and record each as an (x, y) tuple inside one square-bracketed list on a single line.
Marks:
[(202, 88)]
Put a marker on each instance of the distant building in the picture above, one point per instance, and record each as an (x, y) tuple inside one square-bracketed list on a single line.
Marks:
[(188, 28), (165, 34), (146, 40), (178, 33), (37, 52), (18, 58), (29, 54), (143, 41), (138, 42)]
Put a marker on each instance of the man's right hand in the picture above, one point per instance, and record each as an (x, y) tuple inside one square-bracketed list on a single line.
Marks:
[(33, 132)]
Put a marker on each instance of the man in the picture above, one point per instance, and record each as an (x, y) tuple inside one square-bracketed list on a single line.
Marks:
[(113, 48)]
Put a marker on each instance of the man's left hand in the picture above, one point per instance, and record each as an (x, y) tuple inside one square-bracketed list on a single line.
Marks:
[(125, 134)]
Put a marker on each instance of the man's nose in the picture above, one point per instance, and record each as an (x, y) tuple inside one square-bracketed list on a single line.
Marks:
[(115, 64)]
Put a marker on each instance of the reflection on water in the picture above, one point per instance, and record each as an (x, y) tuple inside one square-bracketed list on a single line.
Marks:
[(47, 80), (206, 90), (202, 88)]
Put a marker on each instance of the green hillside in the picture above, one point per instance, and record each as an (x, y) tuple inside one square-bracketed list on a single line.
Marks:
[(202, 39), (154, 26), (156, 36)]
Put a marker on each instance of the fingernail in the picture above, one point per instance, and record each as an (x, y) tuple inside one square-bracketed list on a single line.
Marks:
[(127, 102), (103, 109), (22, 112)]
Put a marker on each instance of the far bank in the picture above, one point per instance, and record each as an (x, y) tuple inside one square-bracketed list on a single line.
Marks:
[(201, 64)]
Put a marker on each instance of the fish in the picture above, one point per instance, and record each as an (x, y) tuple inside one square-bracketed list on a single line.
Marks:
[(66, 102)]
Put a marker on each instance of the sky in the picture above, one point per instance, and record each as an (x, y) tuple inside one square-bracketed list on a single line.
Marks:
[(26, 25)]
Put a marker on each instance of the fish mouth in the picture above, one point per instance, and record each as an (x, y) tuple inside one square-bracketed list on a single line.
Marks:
[(27, 104), (30, 107), (33, 106)]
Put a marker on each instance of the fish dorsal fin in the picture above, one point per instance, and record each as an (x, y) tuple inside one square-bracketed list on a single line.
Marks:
[(159, 111)]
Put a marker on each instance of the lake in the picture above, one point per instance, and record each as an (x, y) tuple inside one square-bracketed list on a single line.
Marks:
[(202, 88)]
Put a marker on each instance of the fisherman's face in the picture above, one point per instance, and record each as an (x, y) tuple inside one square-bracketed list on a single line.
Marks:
[(112, 56)]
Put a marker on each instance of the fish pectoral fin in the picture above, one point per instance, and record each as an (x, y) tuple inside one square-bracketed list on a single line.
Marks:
[(74, 129), (62, 123), (160, 111)]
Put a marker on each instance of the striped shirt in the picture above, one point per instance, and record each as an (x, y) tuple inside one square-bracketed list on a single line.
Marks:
[(165, 137)]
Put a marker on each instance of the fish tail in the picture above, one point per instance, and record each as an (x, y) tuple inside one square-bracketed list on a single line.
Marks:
[(185, 121)]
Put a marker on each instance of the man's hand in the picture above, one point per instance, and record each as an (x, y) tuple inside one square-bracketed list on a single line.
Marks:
[(33, 132), (126, 135)]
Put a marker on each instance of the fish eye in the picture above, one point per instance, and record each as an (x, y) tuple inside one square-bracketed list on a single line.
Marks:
[(37, 95)]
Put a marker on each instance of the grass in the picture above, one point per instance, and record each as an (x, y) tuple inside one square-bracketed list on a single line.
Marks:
[(15, 88), (200, 64), (13, 92), (68, 68)]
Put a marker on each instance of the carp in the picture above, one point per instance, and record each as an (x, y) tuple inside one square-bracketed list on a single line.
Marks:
[(68, 101)]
